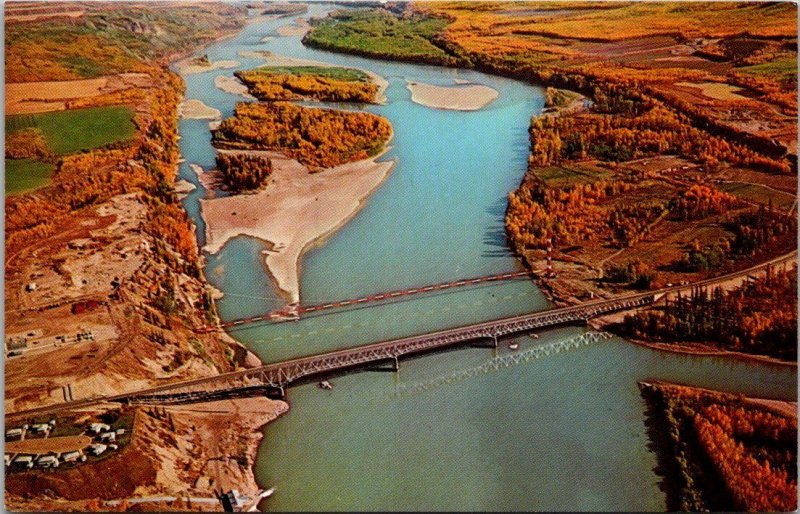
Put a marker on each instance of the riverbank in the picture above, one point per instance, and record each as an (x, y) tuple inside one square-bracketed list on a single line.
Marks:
[(699, 349), (296, 210), (460, 97)]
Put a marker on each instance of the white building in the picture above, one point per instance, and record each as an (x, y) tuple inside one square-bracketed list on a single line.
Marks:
[(97, 448), (108, 437), (25, 461), (14, 432), (70, 456), (40, 428), (48, 461), (96, 428)]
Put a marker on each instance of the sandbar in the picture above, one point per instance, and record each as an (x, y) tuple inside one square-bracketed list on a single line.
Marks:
[(299, 28), (295, 210), (210, 180), (197, 110), (457, 98), (232, 85), (273, 59), (185, 66)]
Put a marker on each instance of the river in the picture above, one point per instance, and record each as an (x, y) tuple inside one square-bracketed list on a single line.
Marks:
[(450, 431)]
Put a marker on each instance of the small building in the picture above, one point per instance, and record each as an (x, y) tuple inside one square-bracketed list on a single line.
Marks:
[(96, 428), (120, 431), (71, 456), (97, 448), (231, 501), (17, 343), (40, 428), (31, 287), (13, 433), (7, 459), (47, 461), (113, 447), (25, 461), (108, 437)]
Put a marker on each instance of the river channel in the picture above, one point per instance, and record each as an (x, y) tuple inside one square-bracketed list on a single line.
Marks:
[(458, 430)]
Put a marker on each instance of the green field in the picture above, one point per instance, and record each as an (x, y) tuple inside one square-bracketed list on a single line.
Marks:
[(23, 175), (78, 129), (335, 73), (378, 33), (572, 174), (784, 69), (759, 194)]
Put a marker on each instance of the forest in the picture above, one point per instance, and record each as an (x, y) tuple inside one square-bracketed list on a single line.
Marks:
[(318, 138), (243, 172), (758, 317), (721, 452), (308, 83)]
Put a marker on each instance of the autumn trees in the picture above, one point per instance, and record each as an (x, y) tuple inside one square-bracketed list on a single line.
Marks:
[(243, 171), (318, 138), (309, 83), (28, 143), (701, 201), (757, 317), (725, 453)]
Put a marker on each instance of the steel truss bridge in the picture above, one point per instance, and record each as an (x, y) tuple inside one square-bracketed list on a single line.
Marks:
[(279, 376), (295, 311)]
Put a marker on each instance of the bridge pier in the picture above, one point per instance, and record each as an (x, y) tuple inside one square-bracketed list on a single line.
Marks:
[(277, 393)]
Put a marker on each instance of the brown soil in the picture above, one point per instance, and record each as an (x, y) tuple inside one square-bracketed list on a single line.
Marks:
[(47, 445), (33, 97)]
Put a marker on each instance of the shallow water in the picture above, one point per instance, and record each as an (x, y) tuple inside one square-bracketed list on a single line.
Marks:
[(559, 432)]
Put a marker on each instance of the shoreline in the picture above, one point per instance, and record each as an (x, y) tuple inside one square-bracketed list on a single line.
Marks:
[(679, 348), (293, 193)]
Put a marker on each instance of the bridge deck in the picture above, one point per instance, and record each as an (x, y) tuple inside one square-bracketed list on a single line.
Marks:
[(284, 373), (283, 314)]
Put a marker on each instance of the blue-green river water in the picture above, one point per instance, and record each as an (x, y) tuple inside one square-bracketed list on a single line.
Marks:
[(559, 432)]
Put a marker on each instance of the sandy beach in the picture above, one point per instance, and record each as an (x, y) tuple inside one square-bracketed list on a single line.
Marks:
[(272, 59), (457, 98), (232, 85), (185, 66), (197, 110), (298, 28), (210, 180), (296, 209)]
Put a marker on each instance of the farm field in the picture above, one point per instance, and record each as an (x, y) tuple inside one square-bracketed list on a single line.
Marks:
[(23, 175), (759, 193), (79, 129)]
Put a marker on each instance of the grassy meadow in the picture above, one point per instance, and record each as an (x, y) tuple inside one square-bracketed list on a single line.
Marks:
[(80, 129), (23, 175)]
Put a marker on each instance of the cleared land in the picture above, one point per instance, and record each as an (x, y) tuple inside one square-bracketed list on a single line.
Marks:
[(23, 175), (80, 129), (49, 445)]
